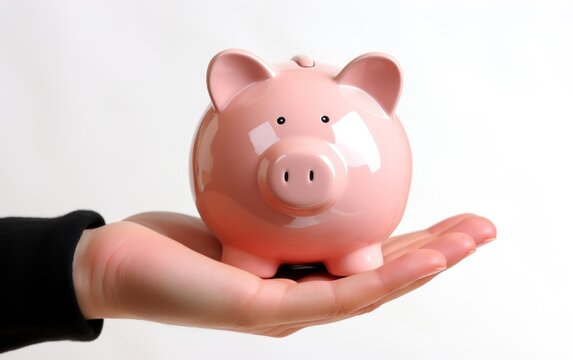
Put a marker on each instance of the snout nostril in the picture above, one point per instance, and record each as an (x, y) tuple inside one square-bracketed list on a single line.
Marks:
[(286, 176), (311, 175)]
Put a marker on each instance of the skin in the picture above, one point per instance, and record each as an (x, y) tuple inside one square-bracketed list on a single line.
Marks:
[(165, 267)]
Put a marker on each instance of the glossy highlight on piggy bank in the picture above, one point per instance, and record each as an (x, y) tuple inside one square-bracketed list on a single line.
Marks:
[(301, 162)]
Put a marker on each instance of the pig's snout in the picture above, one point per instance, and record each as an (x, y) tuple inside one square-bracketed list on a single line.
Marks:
[(301, 176), (301, 180)]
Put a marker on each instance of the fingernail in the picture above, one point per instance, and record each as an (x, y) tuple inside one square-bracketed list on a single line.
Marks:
[(469, 253), (486, 241), (433, 272)]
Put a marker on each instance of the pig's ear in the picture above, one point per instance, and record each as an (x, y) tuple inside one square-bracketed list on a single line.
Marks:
[(231, 71), (376, 74)]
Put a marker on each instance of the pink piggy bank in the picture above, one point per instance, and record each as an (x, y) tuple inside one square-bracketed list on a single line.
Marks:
[(301, 162)]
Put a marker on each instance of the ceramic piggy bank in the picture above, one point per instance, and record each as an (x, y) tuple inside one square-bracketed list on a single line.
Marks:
[(301, 162)]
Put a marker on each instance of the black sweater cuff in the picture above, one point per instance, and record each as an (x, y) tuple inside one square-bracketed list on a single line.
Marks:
[(38, 301)]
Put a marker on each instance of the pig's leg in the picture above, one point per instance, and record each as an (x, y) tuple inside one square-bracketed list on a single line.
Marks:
[(263, 268), (360, 260)]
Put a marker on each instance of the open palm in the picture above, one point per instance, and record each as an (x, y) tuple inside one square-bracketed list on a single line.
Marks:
[(165, 267)]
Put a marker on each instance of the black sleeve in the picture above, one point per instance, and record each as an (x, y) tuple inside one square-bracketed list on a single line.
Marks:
[(37, 297)]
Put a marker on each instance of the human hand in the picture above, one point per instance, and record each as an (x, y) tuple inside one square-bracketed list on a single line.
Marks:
[(165, 267)]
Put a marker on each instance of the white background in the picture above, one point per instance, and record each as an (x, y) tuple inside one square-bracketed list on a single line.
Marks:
[(99, 102)]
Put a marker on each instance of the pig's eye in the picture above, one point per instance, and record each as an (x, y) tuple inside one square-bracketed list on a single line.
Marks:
[(281, 120), (325, 119)]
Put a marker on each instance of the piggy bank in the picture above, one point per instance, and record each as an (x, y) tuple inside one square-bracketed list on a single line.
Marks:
[(301, 162)]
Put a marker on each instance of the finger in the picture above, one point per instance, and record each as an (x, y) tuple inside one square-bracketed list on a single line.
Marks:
[(479, 228), (187, 230), (437, 229), (406, 244), (323, 302), (331, 300), (454, 247), (394, 295), (290, 328), (409, 288), (454, 254), (408, 237), (443, 226)]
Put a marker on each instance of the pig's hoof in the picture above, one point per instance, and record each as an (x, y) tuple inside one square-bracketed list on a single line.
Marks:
[(263, 268), (364, 259)]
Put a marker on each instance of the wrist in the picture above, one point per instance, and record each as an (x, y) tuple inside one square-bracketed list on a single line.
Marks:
[(81, 275)]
